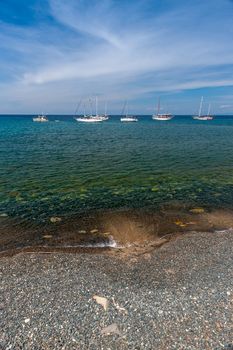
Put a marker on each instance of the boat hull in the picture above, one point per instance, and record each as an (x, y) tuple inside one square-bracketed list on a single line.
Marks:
[(89, 120), (203, 118), (129, 120), (162, 118), (40, 120)]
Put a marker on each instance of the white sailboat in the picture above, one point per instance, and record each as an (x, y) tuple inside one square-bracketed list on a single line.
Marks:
[(41, 118), (105, 115), (162, 116), (127, 118), (90, 118), (201, 116)]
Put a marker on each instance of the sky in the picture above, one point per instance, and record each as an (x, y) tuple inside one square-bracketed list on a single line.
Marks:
[(55, 53)]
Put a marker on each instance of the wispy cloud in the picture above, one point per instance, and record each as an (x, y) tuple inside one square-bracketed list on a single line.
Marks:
[(133, 48)]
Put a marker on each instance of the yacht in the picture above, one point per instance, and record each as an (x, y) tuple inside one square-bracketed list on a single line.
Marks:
[(105, 115), (161, 116), (127, 118), (41, 118), (167, 116), (91, 118), (201, 116)]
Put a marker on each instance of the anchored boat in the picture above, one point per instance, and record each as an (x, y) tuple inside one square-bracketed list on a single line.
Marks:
[(161, 116), (105, 115), (91, 118), (127, 118), (201, 116), (41, 118)]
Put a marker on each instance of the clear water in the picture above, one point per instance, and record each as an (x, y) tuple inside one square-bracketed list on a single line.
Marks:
[(65, 167)]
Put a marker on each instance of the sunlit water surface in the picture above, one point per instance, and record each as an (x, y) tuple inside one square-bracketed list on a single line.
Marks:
[(68, 168)]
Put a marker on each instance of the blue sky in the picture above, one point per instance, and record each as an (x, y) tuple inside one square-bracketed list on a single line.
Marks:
[(55, 52)]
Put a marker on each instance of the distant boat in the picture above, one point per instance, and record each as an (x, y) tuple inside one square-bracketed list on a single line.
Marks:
[(161, 116), (105, 115), (41, 118), (201, 116), (127, 118), (91, 118)]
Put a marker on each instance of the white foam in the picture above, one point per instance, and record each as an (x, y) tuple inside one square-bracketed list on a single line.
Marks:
[(228, 230), (111, 243)]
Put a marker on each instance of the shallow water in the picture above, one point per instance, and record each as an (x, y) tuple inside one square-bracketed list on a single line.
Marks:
[(67, 168)]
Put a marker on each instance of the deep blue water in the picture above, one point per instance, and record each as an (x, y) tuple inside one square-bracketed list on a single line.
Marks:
[(66, 167)]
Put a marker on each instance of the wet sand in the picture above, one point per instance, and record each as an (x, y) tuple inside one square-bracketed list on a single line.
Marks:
[(100, 231)]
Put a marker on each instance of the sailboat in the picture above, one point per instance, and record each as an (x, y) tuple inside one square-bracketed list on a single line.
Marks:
[(127, 117), (90, 118), (105, 116), (161, 116), (41, 118), (201, 116)]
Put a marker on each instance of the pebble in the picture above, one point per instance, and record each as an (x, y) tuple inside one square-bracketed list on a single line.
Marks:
[(55, 219), (111, 329), (94, 231), (56, 290), (47, 236), (197, 210)]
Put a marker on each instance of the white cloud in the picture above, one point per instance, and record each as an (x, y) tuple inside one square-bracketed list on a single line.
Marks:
[(117, 50)]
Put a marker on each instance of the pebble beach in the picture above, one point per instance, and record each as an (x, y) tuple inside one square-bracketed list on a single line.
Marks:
[(179, 296)]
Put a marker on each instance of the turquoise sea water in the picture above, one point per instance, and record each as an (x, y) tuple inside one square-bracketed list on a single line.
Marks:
[(65, 167)]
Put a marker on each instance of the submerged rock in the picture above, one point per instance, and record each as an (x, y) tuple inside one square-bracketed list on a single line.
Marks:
[(180, 223), (55, 219), (82, 231), (106, 234), (197, 210), (47, 236), (94, 231)]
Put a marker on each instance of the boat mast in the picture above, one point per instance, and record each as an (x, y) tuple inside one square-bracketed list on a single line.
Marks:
[(209, 109), (123, 109), (77, 109), (90, 101), (158, 108), (96, 106), (127, 109), (200, 108), (84, 107), (105, 109)]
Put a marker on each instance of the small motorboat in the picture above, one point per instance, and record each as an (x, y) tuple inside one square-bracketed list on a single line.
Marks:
[(41, 118)]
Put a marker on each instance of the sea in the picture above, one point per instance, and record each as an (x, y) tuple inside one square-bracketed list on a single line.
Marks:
[(62, 171)]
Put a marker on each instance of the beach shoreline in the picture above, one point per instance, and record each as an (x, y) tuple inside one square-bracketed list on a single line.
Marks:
[(176, 297), (110, 231)]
